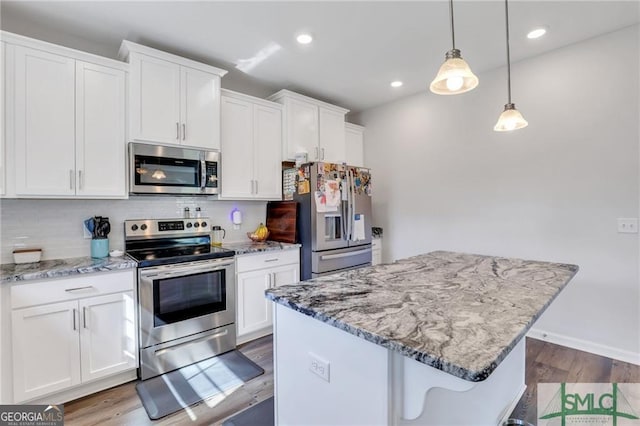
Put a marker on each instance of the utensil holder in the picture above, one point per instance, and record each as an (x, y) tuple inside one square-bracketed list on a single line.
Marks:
[(99, 248)]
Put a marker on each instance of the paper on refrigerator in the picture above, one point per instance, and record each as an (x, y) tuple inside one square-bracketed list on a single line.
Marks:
[(358, 227), (328, 199)]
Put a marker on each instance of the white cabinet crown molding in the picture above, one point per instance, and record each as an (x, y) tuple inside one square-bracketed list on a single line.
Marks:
[(284, 93), (355, 127), (237, 95), (128, 46), (32, 43)]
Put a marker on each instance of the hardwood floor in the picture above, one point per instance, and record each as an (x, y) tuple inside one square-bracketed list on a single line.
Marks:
[(121, 405), (545, 362), (549, 363)]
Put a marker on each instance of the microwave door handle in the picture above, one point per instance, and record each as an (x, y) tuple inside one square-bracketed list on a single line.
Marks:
[(203, 174)]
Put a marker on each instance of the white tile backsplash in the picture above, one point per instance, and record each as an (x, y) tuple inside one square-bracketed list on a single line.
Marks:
[(56, 225)]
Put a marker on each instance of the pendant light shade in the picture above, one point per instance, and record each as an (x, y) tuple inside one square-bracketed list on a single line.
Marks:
[(511, 118), (454, 76)]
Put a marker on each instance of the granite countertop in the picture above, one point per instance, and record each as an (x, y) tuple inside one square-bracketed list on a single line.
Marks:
[(44, 269), (459, 313), (247, 247)]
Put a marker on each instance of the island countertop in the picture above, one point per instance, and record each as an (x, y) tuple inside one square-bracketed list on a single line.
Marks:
[(459, 313)]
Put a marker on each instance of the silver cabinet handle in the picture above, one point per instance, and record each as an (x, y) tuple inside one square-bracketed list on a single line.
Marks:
[(272, 260), (184, 131), (84, 316), (322, 149), (70, 290), (177, 130), (80, 180), (273, 279), (317, 155), (256, 187), (74, 318), (70, 179)]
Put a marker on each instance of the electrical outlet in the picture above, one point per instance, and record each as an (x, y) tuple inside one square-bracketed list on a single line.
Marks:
[(85, 233), (628, 225), (319, 366)]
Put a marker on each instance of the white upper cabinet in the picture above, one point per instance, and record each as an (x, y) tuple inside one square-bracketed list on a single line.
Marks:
[(251, 144), (312, 127), (354, 144), (100, 131), (65, 115), (44, 126), (173, 100)]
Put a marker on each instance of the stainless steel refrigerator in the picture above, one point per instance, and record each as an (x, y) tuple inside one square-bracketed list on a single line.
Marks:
[(334, 223)]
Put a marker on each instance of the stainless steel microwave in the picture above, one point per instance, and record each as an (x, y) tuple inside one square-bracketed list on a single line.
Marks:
[(161, 169)]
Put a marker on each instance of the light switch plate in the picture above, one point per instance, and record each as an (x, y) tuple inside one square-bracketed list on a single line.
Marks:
[(628, 225)]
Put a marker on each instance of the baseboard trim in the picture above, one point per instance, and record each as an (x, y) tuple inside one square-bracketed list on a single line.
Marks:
[(586, 346)]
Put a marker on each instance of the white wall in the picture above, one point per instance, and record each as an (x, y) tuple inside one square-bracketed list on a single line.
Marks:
[(552, 191), (56, 225)]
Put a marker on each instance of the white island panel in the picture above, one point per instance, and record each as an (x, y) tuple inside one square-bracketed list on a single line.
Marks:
[(357, 392)]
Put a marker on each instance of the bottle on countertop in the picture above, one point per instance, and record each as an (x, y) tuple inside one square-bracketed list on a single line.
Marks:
[(198, 213), (187, 213)]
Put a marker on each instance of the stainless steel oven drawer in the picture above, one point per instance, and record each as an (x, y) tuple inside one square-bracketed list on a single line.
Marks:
[(333, 260), (159, 359)]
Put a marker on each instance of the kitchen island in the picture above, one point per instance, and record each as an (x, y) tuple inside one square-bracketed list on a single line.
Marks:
[(431, 340)]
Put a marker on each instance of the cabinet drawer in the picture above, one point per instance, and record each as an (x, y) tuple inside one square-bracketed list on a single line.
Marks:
[(58, 290), (249, 262)]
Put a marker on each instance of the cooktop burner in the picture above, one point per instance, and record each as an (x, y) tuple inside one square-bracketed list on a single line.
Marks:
[(169, 241)]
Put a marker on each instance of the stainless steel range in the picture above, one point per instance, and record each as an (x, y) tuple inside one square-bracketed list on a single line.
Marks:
[(186, 293)]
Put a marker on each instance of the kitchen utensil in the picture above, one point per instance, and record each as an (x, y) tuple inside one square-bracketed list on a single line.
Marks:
[(90, 224), (217, 234)]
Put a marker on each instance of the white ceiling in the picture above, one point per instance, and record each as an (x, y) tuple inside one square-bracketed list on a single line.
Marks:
[(359, 46)]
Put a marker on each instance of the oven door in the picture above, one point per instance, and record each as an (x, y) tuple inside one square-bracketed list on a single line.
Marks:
[(183, 299)]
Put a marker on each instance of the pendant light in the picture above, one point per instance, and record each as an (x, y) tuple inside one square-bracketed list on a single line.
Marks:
[(510, 119), (454, 76)]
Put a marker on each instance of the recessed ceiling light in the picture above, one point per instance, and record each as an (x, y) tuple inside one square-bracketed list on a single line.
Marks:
[(537, 33), (396, 83), (304, 38)]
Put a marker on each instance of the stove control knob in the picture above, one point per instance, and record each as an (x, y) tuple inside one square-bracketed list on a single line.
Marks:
[(134, 227), (203, 224), (189, 225), (197, 225), (143, 227)]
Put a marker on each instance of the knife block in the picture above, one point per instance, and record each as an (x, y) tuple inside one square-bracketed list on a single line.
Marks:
[(99, 248)]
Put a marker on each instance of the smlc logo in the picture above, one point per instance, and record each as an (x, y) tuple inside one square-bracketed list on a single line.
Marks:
[(588, 404)]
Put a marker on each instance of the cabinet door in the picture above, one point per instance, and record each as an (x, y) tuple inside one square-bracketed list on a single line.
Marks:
[(44, 123), (46, 355), (332, 148), (107, 335), (268, 152), (302, 129), (155, 99), (100, 132), (288, 274), (200, 108), (354, 145), (237, 149), (254, 310)]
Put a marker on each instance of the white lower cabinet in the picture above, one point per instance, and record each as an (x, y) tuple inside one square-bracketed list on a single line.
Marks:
[(255, 274), (62, 344)]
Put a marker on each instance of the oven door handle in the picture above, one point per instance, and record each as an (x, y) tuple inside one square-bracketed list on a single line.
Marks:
[(182, 271), (203, 174)]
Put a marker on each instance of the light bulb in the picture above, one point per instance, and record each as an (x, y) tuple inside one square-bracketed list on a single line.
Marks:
[(455, 83)]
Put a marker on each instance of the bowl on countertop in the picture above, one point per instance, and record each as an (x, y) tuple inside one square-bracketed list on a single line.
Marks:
[(256, 239)]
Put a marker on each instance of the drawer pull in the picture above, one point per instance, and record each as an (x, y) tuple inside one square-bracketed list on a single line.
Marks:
[(272, 260), (71, 290)]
